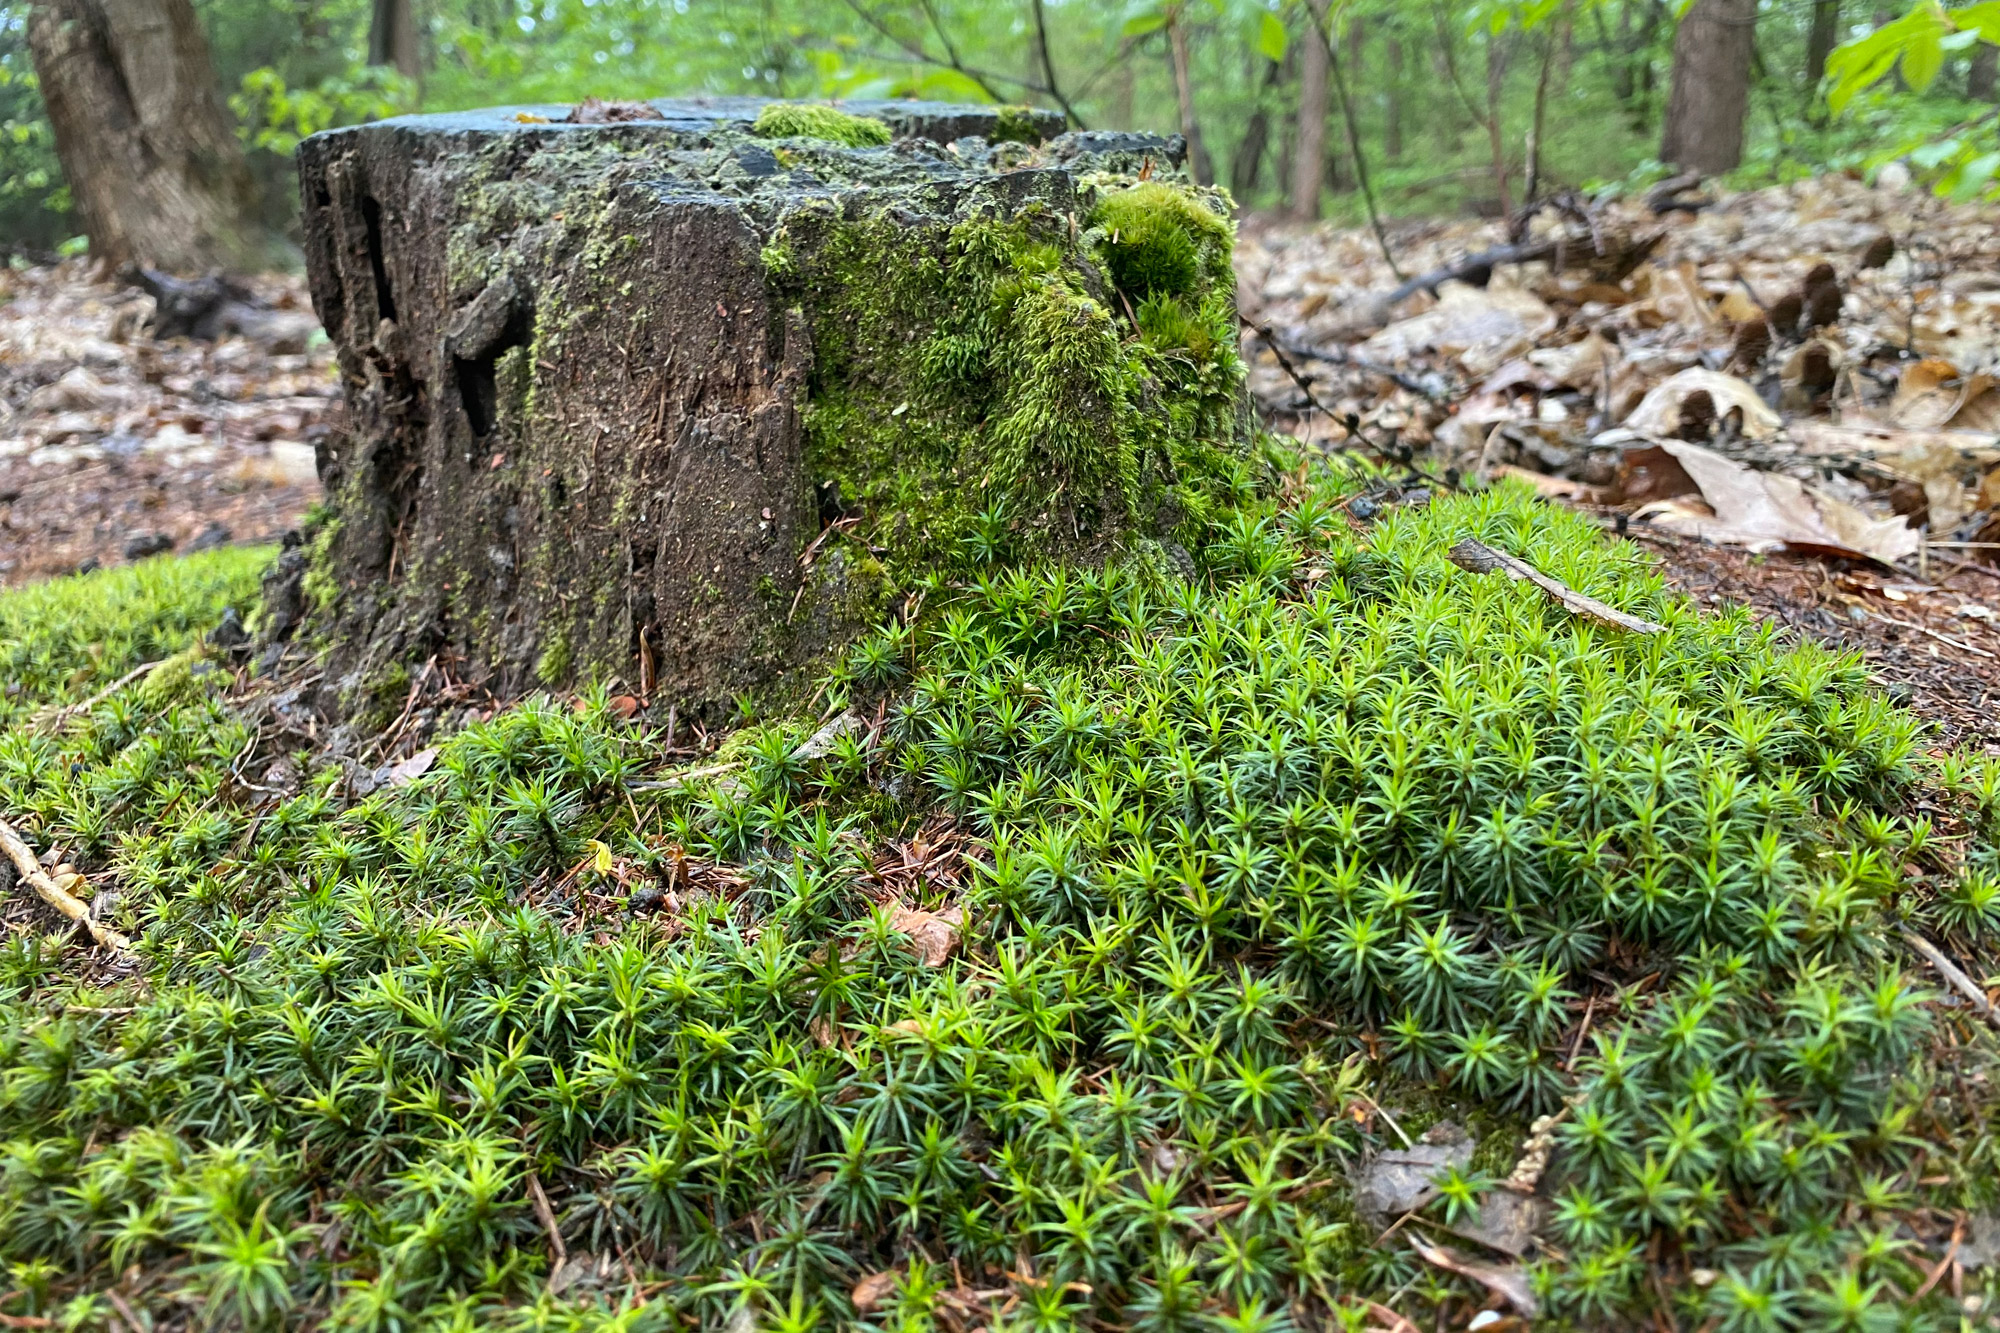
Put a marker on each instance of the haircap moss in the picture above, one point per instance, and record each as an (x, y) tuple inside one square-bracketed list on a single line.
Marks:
[(796, 120)]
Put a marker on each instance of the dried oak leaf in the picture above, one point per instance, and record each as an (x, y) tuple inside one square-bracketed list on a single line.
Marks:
[(935, 934)]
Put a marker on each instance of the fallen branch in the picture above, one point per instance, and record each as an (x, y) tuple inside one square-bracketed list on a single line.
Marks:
[(53, 719), (23, 857), (1477, 269), (1953, 974), (1478, 558), (1342, 357)]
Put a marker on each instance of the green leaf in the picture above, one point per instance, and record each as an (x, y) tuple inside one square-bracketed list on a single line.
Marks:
[(1983, 19), (1923, 59), (1272, 37), (1971, 177), (1141, 24)]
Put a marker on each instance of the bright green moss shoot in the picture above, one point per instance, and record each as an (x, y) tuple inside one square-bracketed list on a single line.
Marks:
[(1330, 830), (795, 120)]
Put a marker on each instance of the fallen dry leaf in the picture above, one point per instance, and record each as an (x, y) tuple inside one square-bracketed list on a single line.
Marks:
[(1658, 415), (935, 934), (412, 768), (1734, 505), (1505, 1280), (870, 1290), (1479, 558)]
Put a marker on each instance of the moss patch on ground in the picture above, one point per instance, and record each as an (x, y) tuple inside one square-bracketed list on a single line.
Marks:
[(1241, 858), (65, 639)]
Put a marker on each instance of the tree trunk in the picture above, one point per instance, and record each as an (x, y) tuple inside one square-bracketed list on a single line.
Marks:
[(152, 159), (1199, 165), (1247, 165), (1496, 83), (615, 448), (1711, 89), (1392, 108), (1820, 41), (1979, 74), (392, 37), (1309, 151)]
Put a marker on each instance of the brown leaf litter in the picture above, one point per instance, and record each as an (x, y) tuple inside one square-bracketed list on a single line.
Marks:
[(112, 442), (1793, 396)]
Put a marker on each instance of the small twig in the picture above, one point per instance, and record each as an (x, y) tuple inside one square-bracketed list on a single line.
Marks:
[(678, 780), (54, 719), (1953, 974), (23, 857), (1941, 638), (540, 1199), (1478, 558)]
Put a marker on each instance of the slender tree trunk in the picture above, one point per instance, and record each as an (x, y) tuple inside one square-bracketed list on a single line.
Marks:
[(1198, 163), (1531, 182), (1979, 75), (1711, 89), (1392, 109), (1247, 164), (392, 37), (1309, 150), (1496, 83), (151, 157), (1820, 40), (1123, 84)]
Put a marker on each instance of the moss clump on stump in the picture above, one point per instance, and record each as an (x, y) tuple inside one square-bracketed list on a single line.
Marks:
[(784, 120), (621, 391)]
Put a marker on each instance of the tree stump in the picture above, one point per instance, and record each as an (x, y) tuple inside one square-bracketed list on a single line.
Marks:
[(683, 393)]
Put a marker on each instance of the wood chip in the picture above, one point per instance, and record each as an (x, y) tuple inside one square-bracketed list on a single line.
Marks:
[(1478, 558)]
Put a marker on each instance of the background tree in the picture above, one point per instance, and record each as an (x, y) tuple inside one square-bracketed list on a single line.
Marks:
[(152, 159), (392, 37), (1713, 49)]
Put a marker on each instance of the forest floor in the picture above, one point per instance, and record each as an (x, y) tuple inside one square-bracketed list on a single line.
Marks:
[(115, 447), (1807, 440), (1331, 938)]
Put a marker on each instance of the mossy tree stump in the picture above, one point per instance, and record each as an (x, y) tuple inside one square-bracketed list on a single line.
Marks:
[(686, 395)]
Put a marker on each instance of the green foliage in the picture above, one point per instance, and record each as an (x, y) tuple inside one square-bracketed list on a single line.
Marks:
[(804, 121), (275, 117), (69, 636), (992, 356), (1963, 158), (1331, 825)]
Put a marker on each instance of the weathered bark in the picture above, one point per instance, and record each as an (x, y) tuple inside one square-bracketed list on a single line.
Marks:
[(1713, 49), (392, 37), (621, 391), (1309, 149), (152, 160), (1979, 73), (1821, 38)]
